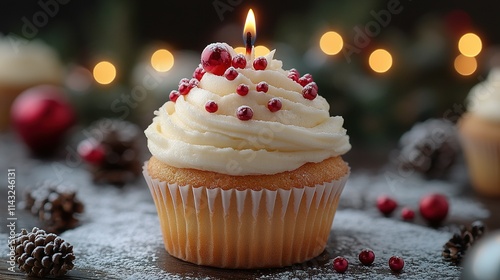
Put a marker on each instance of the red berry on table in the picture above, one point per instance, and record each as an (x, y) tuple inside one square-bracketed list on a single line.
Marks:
[(407, 214), (215, 59), (340, 264), (396, 263), (211, 106), (309, 92), (198, 73), (274, 104), (260, 63), (91, 151), (239, 61), (231, 73), (434, 207), (262, 87), (173, 95), (242, 89), (366, 257), (306, 79), (386, 205), (244, 113)]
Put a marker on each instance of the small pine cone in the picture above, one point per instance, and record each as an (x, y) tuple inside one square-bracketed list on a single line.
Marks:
[(54, 204), (455, 249), (42, 254)]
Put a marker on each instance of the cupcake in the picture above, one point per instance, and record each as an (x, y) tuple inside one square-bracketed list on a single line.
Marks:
[(24, 65), (246, 168), (480, 135)]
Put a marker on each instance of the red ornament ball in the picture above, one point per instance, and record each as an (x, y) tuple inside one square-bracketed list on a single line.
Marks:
[(242, 89), (340, 264), (215, 59), (434, 207), (91, 151), (260, 63), (211, 106), (366, 257), (244, 113), (41, 116), (407, 214), (396, 263), (386, 204), (274, 104), (239, 61)]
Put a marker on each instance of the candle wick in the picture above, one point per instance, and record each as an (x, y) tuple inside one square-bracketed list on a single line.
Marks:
[(249, 43)]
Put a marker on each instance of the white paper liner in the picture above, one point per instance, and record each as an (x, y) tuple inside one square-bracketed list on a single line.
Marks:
[(483, 160), (245, 228)]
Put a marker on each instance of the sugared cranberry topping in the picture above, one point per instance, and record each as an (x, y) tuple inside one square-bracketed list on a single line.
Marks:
[(184, 81), (274, 104), (198, 73), (340, 264), (231, 73), (396, 263), (260, 63), (434, 207), (244, 113), (294, 71), (91, 151), (262, 87), (293, 76), (306, 79), (407, 214), (194, 82), (386, 204), (239, 61), (242, 89), (211, 106), (309, 92), (173, 95), (215, 59), (314, 85), (366, 257)]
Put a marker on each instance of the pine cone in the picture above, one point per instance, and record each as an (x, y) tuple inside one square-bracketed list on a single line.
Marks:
[(54, 204), (122, 161), (430, 148), (454, 250), (41, 254)]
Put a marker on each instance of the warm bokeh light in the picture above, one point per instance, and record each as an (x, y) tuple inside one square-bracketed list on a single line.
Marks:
[(470, 45), (465, 65), (380, 61), (162, 60), (261, 51), (331, 43), (239, 50), (104, 72)]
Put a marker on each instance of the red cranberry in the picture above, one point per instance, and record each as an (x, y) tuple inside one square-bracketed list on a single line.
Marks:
[(340, 264), (306, 79), (198, 73), (242, 90), (262, 87), (293, 70), (211, 106), (386, 205), (91, 151), (407, 214), (231, 73), (314, 85), (396, 263), (215, 59), (366, 257), (244, 113), (260, 63), (184, 88), (194, 82), (274, 104), (309, 92), (434, 207), (239, 61), (173, 95), (184, 81), (294, 77)]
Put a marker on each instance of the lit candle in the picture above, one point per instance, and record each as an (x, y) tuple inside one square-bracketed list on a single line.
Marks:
[(249, 32)]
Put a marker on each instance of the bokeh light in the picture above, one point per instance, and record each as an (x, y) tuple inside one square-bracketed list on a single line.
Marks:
[(104, 72), (380, 61), (331, 43), (470, 45), (465, 65), (261, 51), (162, 60)]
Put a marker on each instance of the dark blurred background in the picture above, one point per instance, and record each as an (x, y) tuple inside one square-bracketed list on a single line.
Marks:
[(422, 82)]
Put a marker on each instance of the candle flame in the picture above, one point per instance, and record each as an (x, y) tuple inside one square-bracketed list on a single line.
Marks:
[(250, 30)]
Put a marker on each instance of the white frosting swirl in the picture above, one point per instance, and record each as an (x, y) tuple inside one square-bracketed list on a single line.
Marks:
[(184, 135), (484, 98)]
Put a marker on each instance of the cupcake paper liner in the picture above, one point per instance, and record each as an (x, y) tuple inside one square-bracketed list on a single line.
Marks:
[(245, 228)]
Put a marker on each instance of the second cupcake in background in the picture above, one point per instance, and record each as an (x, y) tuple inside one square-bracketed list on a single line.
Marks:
[(480, 135)]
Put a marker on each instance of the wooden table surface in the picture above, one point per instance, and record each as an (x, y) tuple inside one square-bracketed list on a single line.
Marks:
[(119, 235)]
